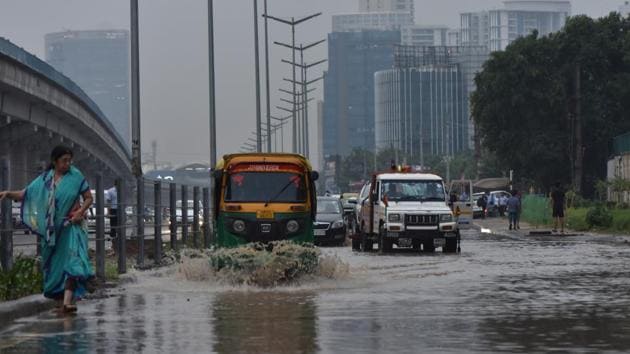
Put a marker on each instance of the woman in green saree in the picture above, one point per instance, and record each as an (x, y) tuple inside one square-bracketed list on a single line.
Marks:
[(52, 208)]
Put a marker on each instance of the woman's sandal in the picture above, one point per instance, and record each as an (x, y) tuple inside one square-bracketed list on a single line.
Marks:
[(69, 308)]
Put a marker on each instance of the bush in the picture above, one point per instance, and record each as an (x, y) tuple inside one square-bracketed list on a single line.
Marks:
[(576, 219), (25, 278), (599, 216)]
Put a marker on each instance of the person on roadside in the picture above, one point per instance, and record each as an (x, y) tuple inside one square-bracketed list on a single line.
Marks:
[(111, 197), (558, 207), (492, 204), (482, 202), (54, 206), (519, 195), (513, 208), (503, 199)]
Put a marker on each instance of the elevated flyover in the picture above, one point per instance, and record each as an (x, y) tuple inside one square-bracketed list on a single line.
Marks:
[(41, 108)]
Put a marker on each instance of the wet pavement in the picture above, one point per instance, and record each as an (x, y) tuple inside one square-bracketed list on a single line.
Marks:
[(503, 293)]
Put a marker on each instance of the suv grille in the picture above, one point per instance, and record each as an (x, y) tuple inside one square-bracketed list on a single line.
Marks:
[(421, 220)]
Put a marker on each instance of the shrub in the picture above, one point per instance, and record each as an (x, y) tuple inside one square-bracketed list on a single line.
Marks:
[(576, 220), (599, 216), (25, 278)]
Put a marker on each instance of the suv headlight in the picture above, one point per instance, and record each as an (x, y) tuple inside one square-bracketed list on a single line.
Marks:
[(446, 218), (337, 224), (393, 218)]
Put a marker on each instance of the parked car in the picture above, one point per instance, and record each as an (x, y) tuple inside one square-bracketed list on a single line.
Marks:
[(492, 210), (330, 226), (189, 212)]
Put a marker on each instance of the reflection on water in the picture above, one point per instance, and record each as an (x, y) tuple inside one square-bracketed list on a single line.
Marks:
[(499, 295), (265, 322)]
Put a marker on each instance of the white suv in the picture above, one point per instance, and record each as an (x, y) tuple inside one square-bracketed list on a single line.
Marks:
[(408, 210)]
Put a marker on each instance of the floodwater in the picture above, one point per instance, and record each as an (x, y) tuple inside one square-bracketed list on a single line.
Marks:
[(501, 294)]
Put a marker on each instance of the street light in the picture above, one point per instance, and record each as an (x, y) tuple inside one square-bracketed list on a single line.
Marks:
[(304, 124), (293, 22)]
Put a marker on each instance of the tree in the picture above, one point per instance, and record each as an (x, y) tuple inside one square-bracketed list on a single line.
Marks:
[(526, 103)]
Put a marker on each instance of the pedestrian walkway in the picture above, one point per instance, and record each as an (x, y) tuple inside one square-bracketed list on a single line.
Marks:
[(500, 226)]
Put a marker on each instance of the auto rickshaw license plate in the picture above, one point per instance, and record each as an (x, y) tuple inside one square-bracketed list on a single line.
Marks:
[(264, 214), (438, 242)]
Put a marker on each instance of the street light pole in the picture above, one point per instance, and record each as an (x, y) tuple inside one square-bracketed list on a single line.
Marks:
[(304, 142), (256, 58), (267, 105), (294, 23), (212, 97)]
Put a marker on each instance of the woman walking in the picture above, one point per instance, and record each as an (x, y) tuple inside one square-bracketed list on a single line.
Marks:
[(52, 208)]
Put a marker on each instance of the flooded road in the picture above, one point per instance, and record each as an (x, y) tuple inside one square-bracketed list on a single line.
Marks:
[(502, 294)]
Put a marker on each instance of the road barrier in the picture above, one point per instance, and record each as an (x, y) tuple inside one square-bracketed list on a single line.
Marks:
[(169, 217)]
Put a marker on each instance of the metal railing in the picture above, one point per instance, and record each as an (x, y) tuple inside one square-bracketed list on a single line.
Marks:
[(171, 216)]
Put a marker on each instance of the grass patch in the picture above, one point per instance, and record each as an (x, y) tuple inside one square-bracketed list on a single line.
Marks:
[(576, 219), (621, 220)]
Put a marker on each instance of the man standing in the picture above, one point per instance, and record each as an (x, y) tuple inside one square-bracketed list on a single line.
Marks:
[(111, 198), (513, 208), (482, 202), (503, 199), (557, 207)]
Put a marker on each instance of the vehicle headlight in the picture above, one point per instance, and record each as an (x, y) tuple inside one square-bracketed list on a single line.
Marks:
[(338, 224), (446, 218), (239, 226), (292, 226), (393, 218)]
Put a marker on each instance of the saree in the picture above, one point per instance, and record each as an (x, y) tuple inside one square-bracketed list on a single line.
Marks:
[(46, 210)]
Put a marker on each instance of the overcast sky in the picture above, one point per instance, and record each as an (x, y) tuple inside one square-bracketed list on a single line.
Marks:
[(173, 37)]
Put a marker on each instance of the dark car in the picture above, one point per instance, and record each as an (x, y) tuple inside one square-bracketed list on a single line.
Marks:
[(330, 226)]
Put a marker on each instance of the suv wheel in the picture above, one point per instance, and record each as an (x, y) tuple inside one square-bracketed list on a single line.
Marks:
[(451, 245)]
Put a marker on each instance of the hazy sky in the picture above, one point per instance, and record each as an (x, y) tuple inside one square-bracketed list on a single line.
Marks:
[(174, 74)]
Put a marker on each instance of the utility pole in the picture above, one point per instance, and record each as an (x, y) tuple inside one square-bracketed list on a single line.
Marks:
[(293, 22), (579, 149), (135, 93)]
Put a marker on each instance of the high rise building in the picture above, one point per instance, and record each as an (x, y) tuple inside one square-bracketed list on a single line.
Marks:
[(475, 28), (496, 29), (422, 105), (98, 61), (384, 15), (353, 58), (421, 35), (387, 6)]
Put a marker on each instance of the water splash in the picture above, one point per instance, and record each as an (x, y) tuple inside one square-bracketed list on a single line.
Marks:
[(262, 265)]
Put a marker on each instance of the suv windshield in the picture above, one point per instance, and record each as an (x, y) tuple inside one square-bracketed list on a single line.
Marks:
[(423, 191), (282, 187)]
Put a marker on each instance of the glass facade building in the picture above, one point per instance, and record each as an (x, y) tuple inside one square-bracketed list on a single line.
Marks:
[(422, 111), (353, 58), (422, 105), (98, 61)]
